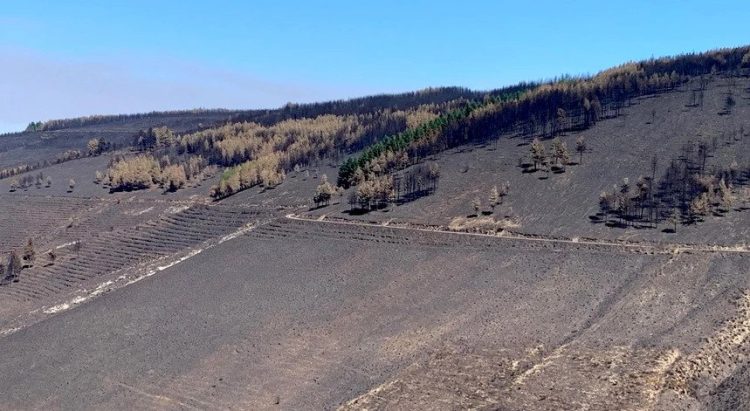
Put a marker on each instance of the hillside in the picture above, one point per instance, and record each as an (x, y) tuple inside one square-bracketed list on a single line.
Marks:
[(202, 260)]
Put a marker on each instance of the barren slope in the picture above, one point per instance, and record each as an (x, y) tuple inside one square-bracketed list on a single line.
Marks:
[(312, 314)]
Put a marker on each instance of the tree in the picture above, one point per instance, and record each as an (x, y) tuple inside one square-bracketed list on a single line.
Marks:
[(433, 171), (494, 198), (94, 146), (729, 103), (700, 206), (164, 137), (365, 194), (605, 205), (77, 246), (476, 204), (34, 126), (580, 148), (537, 153), (324, 192), (504, 190), (29, 255), (560, 153), (174, 177), (726, 198), (625, 201), (643, 188), (746, 60), (49, 181), (561, 120), (674, 219), (71, 185), (14, 266)]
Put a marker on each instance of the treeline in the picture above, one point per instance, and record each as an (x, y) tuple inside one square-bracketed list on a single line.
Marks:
[(59, 124), (578, 103), (360, 106), (290, 111)]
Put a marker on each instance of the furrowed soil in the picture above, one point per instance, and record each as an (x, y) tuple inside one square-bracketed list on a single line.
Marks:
[(316, 315)]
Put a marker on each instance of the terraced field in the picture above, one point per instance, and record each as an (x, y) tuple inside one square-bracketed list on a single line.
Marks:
[(109, 251), (37, 217)]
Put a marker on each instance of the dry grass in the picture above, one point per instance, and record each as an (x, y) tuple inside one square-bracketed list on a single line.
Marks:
[(484, 225), (718, 356)]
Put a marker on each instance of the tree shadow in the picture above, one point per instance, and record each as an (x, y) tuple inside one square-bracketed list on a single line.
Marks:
[(597, 218), (356, 211), (616, 224)]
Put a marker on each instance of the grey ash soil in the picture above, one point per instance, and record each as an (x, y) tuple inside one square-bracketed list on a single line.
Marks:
[(315, 314), (299, 314)]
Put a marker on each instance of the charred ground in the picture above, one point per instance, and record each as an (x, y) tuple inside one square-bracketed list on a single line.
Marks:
[(160, 299)]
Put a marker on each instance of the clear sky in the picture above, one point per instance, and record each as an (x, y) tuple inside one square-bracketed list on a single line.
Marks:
[(71, 58)]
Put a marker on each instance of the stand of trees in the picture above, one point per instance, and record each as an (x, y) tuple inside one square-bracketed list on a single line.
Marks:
[(374, 193), (94, 147), (29, 180), (687, 191), (378, 191), (416, 182), (144, 170), (258, 155)]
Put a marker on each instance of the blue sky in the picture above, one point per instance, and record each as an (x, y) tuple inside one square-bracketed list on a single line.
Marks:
[(72, 58)]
